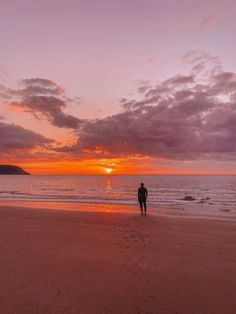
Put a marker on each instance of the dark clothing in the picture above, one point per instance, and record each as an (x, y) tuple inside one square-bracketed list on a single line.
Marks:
[(142, 197), (142, 203), (142, 193)]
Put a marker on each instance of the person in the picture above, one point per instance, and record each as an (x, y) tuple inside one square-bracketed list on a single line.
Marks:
[(142, 198)]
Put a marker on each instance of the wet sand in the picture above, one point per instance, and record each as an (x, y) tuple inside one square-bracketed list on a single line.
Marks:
[(90, 262)]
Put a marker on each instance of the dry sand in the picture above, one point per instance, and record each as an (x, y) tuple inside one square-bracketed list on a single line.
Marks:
[(83, 262)]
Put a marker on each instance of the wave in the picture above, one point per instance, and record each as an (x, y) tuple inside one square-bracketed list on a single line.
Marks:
[(164, 192), (155, 201)]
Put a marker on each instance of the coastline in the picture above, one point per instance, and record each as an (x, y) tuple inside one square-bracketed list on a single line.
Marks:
[(186, 212), (58, 261)]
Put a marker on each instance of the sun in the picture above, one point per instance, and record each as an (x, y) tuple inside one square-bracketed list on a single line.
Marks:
[(108, 170)]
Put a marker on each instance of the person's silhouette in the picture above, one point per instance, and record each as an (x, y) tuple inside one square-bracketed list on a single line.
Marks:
[(142, 198)]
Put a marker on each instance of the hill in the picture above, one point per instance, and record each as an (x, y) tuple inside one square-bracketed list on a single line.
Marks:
[(10, 169)]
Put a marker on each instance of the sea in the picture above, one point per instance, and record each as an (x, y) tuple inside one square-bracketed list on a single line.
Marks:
[(177, 195)]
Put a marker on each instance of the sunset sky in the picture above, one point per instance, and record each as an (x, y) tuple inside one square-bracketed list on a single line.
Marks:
[(133, 86)]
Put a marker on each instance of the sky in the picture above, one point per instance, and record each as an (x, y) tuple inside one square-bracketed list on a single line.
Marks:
[(132, 86)]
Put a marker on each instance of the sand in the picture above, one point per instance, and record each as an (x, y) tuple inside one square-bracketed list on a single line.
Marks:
[(86, 262)]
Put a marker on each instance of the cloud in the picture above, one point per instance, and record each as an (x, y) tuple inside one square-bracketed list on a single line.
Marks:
[(203, 65), (15, 139), (40, 86), (49, 107), (185, 117), (44, 99)]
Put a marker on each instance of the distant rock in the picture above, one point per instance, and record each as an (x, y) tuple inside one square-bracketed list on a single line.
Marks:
[(189, 198), (9, 169), (204, 200)]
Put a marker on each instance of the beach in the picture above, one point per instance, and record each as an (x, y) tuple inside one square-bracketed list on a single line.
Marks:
[(58, 261)]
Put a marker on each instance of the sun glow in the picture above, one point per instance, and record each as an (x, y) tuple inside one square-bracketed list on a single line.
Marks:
[(108, 170)]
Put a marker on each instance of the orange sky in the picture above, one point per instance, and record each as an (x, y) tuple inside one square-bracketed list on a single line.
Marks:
[(118, 166)]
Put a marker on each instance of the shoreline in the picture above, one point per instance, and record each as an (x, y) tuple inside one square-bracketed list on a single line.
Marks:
[(185, 213), (57, 261)]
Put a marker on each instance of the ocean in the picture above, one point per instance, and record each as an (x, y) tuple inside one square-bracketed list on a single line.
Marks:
[(185, 195)]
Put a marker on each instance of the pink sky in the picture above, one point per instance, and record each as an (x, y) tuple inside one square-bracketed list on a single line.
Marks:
[(101, 51)]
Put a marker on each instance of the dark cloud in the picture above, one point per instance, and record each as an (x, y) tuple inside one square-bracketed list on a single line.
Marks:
[(14, 138), (184, 117), (40, 87), (40, 82), (49, 107), (44, 99)]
